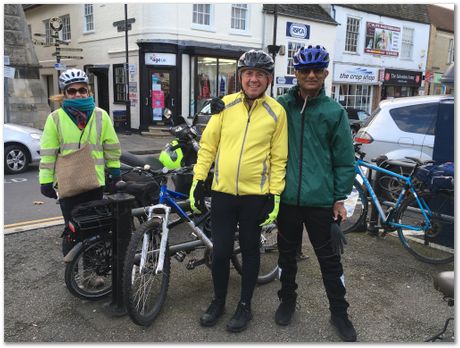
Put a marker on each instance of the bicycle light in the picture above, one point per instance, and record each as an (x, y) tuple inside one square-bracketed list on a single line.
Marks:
[(72, 227)]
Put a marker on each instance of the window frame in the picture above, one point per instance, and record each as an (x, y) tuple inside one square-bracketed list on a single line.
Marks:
[(407, 45), (246, 19), (86, 21), (410, 113), (451, 51), (206, 27), (289, 53), (347, 37), (116, 85)]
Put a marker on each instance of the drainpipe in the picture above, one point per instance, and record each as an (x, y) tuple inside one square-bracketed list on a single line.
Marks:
[(274, 51), (128, 103)]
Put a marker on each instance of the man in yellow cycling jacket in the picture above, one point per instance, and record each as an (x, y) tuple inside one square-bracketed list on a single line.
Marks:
[(247, 142)]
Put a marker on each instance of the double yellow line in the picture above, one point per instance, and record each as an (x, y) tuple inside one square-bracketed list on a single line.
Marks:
[(33, 224)]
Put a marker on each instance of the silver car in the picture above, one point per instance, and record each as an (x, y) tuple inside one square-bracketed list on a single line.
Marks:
[(402, 127), (22, 147)]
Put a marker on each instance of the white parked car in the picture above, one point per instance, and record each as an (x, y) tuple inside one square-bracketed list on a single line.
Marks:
[(402, 127), (22, 147)]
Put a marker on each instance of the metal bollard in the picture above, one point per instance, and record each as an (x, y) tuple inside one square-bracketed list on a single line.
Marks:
[(121, 235)]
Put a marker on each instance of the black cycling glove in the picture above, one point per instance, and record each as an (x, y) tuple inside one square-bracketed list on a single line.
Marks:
[(338, 239), (217, 106)]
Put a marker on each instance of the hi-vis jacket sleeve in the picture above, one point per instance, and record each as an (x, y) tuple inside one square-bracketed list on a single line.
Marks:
[(209, 144), (49, 148), (110, 143), (279, 154)]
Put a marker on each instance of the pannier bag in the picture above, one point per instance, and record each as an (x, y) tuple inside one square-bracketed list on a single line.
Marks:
[(90, 218), (437, 176)]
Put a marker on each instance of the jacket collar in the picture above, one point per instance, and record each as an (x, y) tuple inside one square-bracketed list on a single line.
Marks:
[(294, 95)]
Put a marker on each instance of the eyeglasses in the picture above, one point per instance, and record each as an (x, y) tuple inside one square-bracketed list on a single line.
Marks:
[(307, 71), (249, 73), (73, 91)]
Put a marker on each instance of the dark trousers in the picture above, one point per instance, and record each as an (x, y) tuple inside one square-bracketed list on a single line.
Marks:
[(317, 221), (67, 205), (227, 212)]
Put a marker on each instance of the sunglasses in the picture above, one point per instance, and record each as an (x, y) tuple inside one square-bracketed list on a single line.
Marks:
[(73, 91), (307, 71)]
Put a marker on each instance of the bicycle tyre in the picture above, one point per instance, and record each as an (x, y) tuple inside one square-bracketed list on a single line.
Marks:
[(426, 245), (358, 217), (268, 255), (145, 293), (93, 282)]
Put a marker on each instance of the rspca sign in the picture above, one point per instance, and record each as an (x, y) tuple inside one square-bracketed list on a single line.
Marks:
[(297, 30)]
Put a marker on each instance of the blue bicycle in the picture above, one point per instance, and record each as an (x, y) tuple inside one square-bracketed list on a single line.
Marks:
[(147, 267), (424, 220)]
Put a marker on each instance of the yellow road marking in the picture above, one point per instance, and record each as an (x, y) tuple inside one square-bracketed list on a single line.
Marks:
[(31, 222)]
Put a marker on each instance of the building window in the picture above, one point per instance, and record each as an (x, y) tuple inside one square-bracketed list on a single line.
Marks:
[(240, 16), (202, 14), (292, 48), (352, 35), (450, 53), (353, 96), (89, 19), (407, 43), (119, 83), (48, 38)]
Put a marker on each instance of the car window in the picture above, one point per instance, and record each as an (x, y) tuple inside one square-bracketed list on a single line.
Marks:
[(419, 118), (362, 115)]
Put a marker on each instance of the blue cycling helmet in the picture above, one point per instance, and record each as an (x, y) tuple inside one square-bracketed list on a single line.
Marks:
[(311, 57)]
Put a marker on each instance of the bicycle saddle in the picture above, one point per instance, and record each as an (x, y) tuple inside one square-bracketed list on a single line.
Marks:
[(444, 282), (139, 161)]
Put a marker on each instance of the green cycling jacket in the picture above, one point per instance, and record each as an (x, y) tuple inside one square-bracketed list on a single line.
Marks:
[(320, 167), (62, 135)]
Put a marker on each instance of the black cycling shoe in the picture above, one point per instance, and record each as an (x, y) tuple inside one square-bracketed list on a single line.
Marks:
[(240, 319), (214, 312), (285, 310), (344, 327)]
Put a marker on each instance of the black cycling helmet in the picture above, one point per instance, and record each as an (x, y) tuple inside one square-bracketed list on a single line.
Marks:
[(256, 59), (311, 57)]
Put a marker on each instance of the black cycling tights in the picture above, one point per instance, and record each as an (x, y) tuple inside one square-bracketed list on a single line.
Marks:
[(227, 212)]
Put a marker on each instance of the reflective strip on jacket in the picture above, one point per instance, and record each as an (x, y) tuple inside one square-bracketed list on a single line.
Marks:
[(62, 135), (249, 147)]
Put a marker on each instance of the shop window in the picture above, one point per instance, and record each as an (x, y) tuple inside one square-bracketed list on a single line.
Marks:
[(407, 45), (419, 119), (353, 96), (202, 14), (88, 18), (119, 83), (292, 48), (450, 52), (240, 17), (352, 35), (215, 77)]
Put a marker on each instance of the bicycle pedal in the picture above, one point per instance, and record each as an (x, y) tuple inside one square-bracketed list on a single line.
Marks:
[(180, 256), (194, 263)]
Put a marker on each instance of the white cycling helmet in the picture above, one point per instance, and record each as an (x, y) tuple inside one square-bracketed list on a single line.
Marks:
[(72, 76)]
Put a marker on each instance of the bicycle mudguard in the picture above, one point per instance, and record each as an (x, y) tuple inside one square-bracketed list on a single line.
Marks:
[(73, 252)]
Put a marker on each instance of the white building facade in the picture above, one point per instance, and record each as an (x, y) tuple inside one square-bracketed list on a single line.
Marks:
[(376, 57)]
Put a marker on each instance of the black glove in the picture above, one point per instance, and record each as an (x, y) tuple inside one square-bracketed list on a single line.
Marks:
[(338, 239), (48, 190), (197, 193), (217, 106), (112, 188)]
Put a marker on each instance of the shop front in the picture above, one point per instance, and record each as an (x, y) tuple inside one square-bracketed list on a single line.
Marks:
[(400, 83), (182, 77), (354, 86)]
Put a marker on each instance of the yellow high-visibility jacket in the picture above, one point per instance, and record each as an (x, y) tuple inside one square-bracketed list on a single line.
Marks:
[(62, 135), (249, 147)]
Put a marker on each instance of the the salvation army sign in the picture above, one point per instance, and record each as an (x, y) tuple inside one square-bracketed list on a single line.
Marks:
[(297, 30), (355, 74), (160, 59)]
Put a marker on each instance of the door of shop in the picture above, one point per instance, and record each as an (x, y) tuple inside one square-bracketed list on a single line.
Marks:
[(161, 93)]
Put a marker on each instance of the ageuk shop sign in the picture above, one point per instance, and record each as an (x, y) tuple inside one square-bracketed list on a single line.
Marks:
[(297, 30), (355, 74), (160, 59)]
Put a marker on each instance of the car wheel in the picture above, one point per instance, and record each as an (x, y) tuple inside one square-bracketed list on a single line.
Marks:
[(16, 159)]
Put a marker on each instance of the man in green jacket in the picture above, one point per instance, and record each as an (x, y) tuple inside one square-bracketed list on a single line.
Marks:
[(319, 176)]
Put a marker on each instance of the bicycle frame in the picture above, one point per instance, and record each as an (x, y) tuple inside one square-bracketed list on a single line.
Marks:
[(408, 185)]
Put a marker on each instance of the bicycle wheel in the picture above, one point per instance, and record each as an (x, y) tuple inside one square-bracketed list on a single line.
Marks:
[(89, 275), (356, 205), (436, 244), (268, 255), (144, 292)]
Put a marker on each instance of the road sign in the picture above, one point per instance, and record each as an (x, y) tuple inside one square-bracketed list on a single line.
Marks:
[(40, 34), (41, 43), (60, 66), (67, 57), (70, 49), (8, 72), (56, 23), (61, 42)]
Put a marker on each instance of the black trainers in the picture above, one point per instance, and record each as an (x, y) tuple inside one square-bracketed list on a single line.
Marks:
[(285, 310), (214, 311), (240, 319), (344, 327)]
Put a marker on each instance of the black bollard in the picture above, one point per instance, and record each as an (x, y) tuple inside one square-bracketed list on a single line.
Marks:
[(121, 235)]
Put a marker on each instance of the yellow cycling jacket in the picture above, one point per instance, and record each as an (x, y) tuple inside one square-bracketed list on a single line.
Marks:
[(249, 147), (62, 135)]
